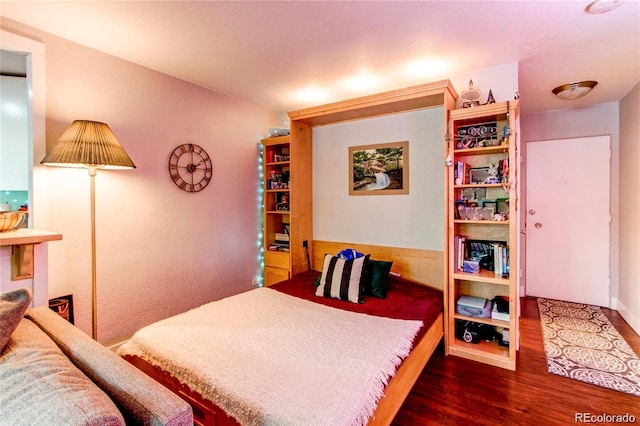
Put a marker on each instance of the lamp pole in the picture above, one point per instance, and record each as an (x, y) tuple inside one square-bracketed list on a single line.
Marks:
[(94, 296)]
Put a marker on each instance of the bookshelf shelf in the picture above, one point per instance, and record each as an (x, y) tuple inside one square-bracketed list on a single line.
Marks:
[(486, 352), (485, 150), (481, 222), (474, 244), (488, 321), (479, 185), (483, 277)]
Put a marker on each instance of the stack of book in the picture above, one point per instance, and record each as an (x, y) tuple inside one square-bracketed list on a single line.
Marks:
[(281, 243)]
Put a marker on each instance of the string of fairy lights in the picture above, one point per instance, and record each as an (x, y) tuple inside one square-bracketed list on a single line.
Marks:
[(260, 205)]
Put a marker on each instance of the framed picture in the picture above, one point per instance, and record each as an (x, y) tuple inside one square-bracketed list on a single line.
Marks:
[(380, 169), (282, 201), (478, 174), (63, 306), (490, 204)]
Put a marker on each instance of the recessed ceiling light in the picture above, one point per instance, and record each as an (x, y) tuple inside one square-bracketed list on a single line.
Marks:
[(571, 91), (311, 95), (426, 67), (602, 6), (361, 82)]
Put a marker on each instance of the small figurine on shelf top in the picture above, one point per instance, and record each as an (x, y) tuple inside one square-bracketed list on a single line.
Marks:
[(490, 98), (470, 98)]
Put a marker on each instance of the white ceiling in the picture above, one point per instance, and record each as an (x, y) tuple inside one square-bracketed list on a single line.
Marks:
[(268, 52)]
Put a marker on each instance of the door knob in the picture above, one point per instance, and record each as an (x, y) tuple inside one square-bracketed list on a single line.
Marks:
[(523, 231), (538, 225), (532, 212)]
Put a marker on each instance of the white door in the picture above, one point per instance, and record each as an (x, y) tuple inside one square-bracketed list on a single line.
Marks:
[(567, 220)]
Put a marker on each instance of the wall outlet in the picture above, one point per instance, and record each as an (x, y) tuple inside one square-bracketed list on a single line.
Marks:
[(254, 282)]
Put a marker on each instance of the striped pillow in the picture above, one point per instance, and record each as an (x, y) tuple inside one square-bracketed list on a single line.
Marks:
[(343, 279)]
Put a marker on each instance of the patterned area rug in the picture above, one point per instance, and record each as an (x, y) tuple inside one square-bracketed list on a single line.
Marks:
[(583, 345)]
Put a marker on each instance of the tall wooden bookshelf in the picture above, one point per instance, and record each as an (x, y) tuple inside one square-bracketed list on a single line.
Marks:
[(287, 207), (482, 201)]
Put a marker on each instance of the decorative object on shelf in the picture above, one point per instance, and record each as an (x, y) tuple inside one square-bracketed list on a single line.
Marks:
[(490, 98), (92, 145), (576, 90), (282, 202), (380, 169), (10, 221), (478, 174), (190, 167), (492, 174), (278, 131), (477, 135), (470, 98)]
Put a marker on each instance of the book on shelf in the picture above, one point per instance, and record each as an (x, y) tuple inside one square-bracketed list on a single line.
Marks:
[(501, 259), (461, 173), (278, 246), (282, 238), (489, 255), (458, 252)]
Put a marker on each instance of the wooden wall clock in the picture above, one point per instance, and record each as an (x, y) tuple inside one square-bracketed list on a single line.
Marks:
[(190, 167)]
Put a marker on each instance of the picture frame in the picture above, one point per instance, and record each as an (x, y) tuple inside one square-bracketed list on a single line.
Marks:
[(502, 205), (63, 306), (491, 204), (282, 201), (379, 169), (478, 174)]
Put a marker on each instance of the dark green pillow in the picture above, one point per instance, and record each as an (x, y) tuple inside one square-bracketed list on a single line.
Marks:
[(377, 278), (317, 283)]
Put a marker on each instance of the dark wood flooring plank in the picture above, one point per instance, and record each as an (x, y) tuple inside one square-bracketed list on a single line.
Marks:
[(456, 391)]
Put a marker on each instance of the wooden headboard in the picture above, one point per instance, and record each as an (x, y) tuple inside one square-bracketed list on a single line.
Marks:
[(425, 266)]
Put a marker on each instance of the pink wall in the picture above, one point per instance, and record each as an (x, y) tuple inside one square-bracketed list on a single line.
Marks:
[(160, 251)]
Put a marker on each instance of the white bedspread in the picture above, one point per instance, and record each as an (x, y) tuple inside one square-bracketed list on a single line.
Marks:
[(268, 358)]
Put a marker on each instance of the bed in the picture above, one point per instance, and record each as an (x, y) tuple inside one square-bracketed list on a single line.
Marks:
[(411, 311)]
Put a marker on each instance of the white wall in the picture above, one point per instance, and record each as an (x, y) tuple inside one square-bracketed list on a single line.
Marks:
[(160, 251), (629, 286), (502, 80), (573, 123), (415, 220)]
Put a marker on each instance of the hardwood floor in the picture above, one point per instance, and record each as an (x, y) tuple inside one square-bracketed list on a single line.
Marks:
[(456, 391)]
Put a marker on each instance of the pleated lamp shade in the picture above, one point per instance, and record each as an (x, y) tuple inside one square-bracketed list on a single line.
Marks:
[(88, 144)]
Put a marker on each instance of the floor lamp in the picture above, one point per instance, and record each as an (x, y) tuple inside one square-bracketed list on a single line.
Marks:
[(92, 145)]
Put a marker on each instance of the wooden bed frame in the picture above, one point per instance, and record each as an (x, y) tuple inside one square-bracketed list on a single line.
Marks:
[(412, 264), (205, 412)]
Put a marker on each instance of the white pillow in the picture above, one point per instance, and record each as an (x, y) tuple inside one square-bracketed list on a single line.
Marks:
[(343, 279)]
